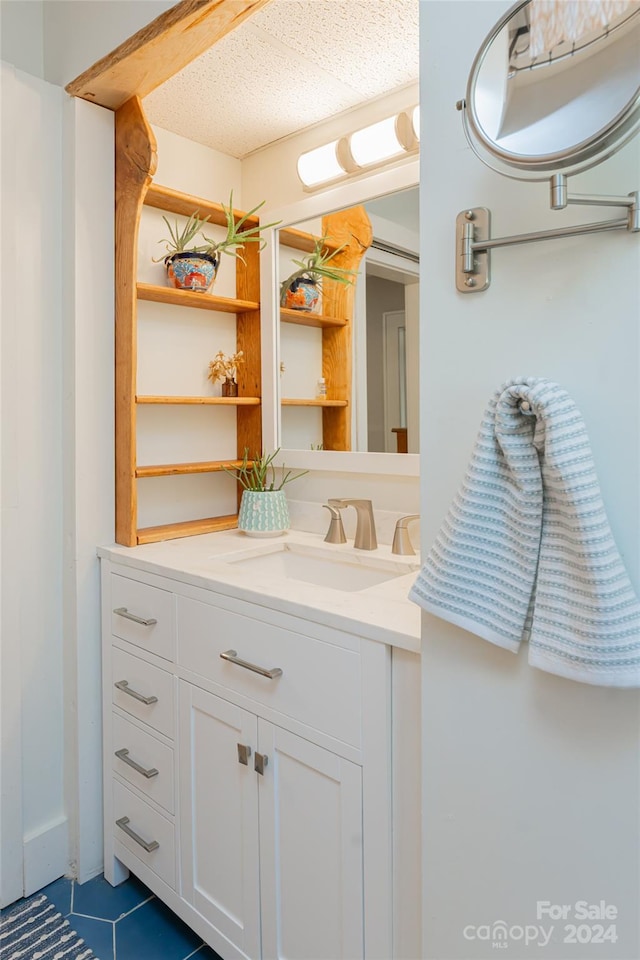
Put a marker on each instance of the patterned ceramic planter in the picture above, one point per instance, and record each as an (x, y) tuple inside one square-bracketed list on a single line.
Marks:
[(192, 271), (263, 513), (302, 294)]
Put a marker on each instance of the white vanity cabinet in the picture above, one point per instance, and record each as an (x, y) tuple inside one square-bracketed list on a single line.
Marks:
[(275, 850), (248, 770)]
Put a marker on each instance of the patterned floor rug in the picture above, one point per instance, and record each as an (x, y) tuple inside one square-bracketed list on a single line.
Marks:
[(33, 929)]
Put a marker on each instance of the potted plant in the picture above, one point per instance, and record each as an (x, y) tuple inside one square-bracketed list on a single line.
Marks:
[(263, 508), (301, 290), (225, 368), (189, 265), (193, 266)]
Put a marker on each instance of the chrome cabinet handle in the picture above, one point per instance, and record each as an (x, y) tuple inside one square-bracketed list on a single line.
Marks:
[(260, 762), (232, 657), (123, 824), (124, 686), (123, 612), (124, 756)]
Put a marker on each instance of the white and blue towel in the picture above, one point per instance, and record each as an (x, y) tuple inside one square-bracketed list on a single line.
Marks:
[(526, 551)]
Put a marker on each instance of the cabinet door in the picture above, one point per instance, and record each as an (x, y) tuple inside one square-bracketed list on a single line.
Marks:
[(311, 865), (219, 817)]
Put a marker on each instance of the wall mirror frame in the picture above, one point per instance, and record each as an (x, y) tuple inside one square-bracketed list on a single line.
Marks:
[(537, 116), (361, 190)]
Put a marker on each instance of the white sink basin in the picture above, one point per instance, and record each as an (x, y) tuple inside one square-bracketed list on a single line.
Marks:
[(291, 561)]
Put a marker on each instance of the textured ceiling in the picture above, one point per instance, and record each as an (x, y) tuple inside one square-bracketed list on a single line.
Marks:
[(292, 64)]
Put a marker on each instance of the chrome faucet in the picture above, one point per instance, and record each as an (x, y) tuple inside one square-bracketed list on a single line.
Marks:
[(401, 540), (366, 527)]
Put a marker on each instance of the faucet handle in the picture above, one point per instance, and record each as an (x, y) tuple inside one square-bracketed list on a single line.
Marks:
[(401, 541), (335, 533)]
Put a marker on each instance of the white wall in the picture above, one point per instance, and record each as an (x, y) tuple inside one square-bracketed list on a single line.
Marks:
[(32, 465), (531, 782), (79, 32), (21, 35), (88, 508)]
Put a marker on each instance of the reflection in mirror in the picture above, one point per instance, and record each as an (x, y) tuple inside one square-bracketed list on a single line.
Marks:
[(349, 363), (554, 84)]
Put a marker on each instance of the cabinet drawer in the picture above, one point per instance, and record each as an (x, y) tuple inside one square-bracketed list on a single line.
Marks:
[(145, 752), (131, 599), (150, 828), (320, 684), (148, 682)]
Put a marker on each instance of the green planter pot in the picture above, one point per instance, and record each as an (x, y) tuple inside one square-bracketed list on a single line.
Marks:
[(263, 513)]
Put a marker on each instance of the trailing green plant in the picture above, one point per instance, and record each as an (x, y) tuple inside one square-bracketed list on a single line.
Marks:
[(182, 240), (253, 474), (318, 267)]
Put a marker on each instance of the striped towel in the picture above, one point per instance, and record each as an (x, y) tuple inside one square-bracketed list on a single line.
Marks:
[(526, 551)]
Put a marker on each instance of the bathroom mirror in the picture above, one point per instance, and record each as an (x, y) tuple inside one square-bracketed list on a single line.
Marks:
[(555, 87), (379, 382)]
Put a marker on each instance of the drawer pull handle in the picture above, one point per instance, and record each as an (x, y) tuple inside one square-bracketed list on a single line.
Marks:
[(123, 824), (244, 752), (124, 756), (123, 612), (124, 686), (232, 657)]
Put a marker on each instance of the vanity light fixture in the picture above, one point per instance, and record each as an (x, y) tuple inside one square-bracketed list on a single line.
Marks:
[(320, 165), (379, 143), (376, 143), (415, 122)]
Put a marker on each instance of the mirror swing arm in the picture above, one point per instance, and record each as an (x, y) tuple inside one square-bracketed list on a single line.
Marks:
[(474, 242)]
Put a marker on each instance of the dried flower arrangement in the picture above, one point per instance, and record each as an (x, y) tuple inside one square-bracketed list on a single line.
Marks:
[(223, 367)]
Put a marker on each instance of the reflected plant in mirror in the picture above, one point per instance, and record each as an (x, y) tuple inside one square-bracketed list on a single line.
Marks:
[(363, 342), (301, 290)]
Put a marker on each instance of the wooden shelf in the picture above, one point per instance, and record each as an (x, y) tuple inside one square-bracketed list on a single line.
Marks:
[(181, 469), (164, 198), (311, 402), (190, 298), (188, 528), (303, 241), (307, 319), (217, 401)]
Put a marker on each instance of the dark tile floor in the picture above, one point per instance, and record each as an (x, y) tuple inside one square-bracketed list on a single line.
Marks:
[(125, 922)]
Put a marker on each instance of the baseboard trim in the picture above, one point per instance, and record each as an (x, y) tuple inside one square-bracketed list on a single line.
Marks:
[(46, 855)]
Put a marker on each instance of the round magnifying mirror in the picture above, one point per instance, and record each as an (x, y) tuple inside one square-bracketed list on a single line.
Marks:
[(555, 86)]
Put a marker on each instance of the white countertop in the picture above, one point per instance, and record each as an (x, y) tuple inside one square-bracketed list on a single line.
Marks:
[(381, 613)]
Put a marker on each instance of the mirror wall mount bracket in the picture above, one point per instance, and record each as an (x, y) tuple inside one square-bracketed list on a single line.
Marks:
[(474, 242)]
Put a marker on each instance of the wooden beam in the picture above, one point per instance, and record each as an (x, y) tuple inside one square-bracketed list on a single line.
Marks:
[(160, 50), (135, 165)]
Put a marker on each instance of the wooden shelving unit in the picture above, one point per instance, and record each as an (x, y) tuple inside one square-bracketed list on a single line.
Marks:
[(214, 401), (135, 166), (311, 402), (189, 298), (181, 469), (306, 319), (351, 230), (187, 528)]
